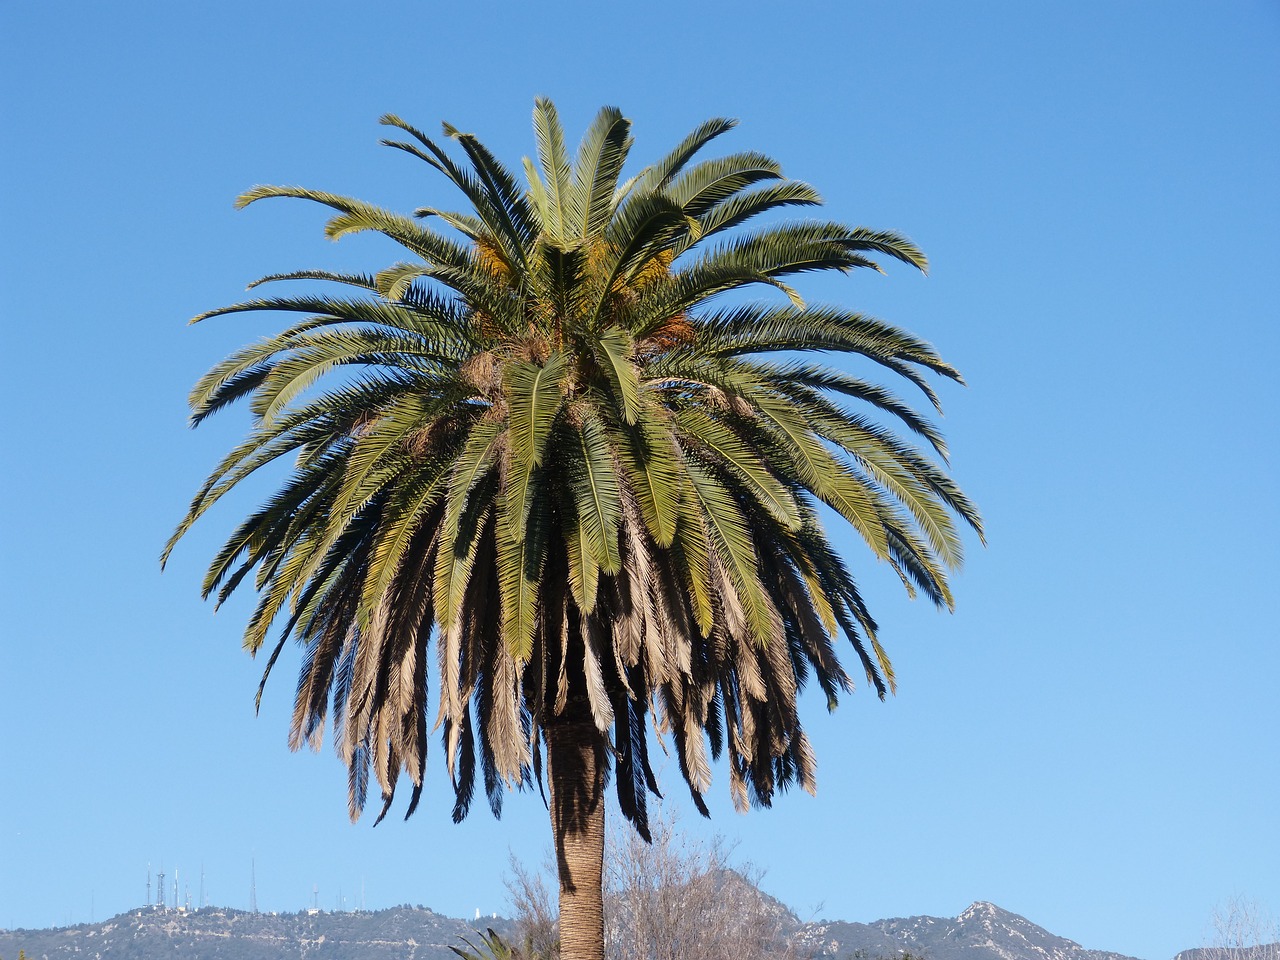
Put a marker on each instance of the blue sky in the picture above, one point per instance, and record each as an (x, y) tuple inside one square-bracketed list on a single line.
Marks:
[(1090, 741)]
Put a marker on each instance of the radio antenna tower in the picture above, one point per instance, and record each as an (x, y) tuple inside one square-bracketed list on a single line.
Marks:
[(200, 904), (160, 888), (148, 883), (253, 886)]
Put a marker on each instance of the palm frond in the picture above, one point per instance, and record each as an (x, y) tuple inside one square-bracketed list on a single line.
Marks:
[(615, 352), (601, 155), (657, 176), (557, 173), (593, 482), (355, 216)]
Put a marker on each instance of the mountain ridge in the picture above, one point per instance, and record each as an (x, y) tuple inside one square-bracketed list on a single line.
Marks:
[(402, 933), (982, 931)]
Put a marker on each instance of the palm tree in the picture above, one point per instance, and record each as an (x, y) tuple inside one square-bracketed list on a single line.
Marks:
[(555, 444)]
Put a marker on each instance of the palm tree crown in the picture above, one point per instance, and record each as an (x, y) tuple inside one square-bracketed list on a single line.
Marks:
[(546, 445)]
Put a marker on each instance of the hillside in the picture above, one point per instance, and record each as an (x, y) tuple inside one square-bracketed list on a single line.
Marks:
[(981, 932), (401, 933)]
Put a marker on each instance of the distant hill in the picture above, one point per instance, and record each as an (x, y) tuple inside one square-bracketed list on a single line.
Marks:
[(981, 932), (401, 933)]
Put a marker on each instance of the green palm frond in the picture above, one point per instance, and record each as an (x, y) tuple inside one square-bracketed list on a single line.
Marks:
[(593, 484), (717, 439), (741, 207), (534, 397), (731, 542), (596, 172), (555, 185), (657, 176), (699, 188), (362, 280), (507, 201), (492, 947), (648, 454), (355, 216), (615, 353), (489, 188), (517, 567)]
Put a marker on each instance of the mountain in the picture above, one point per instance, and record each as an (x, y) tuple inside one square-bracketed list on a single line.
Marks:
[(402, 933), (981, 932)]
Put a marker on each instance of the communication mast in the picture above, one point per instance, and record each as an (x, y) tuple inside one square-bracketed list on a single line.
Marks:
[(160, 888), (253, 886)]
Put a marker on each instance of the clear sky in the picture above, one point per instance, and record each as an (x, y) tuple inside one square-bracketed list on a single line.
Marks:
[(1090, 741)]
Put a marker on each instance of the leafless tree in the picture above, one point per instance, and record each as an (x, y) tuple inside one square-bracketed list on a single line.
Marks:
[(673, 899), (680, 899), (1243, 930), (534, 904)]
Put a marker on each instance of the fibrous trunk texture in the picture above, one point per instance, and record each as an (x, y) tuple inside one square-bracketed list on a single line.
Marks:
[(575, 756)]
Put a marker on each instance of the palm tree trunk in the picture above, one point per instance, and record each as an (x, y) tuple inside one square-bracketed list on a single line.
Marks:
[(576, 771)]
